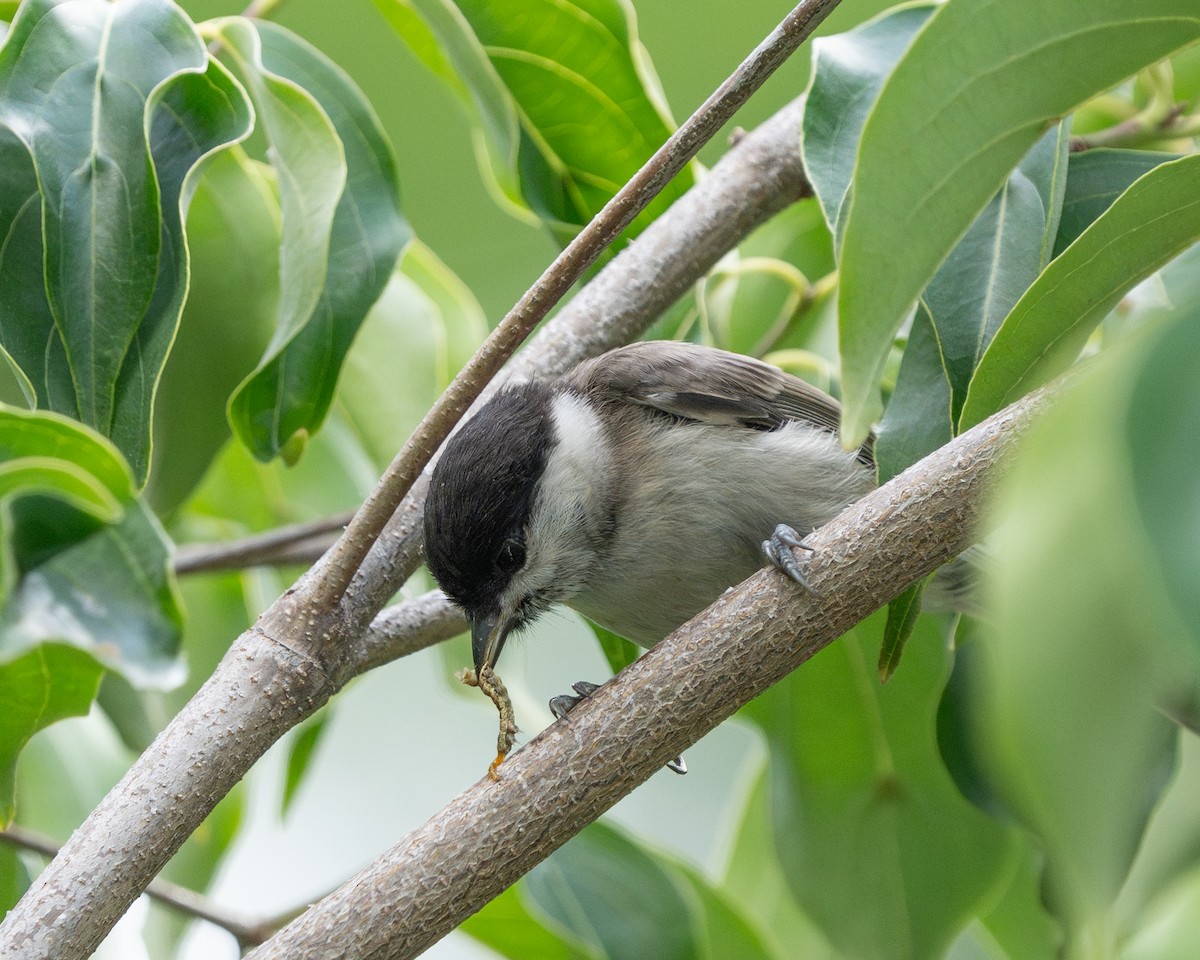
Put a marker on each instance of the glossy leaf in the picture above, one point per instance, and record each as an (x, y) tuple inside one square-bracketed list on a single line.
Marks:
[(114, 126), (38, 687), (901, 621), (342, 230), (14, 878), (610, 897), (234, 237), (918, 418), (565, 104), (102, 583), (1086, 653), (997, 259), (1096, 179), (508, 926), (848, 71), (111, 593), (613, 897), (754, 879), (878, 847), (945, 132), (1154, 220), (48, 454)]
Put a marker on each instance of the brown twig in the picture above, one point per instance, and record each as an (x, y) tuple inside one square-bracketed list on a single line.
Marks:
[(343, 560), (295, 543), (248, 933)]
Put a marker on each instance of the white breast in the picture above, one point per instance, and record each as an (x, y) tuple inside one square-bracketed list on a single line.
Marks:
[(708, 497)]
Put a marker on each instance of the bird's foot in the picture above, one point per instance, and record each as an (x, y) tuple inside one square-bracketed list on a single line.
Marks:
[(564, 703), (778, 549)]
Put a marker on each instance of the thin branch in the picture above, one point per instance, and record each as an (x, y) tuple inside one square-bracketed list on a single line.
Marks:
[(347, 555), (291, 544), (248, 933), (296, 657), (753, 636)]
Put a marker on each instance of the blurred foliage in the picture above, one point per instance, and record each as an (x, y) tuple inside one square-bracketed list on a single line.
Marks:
[(228, 324)]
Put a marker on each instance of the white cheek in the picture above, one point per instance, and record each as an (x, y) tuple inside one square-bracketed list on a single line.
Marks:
[(571, 497)]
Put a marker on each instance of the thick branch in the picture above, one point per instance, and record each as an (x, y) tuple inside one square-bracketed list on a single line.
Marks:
[(493, 833), (293, 660)]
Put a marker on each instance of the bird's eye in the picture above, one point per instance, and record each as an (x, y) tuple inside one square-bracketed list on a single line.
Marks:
[(511, 557)]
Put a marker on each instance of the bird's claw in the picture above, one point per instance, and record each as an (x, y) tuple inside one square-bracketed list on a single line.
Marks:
[(564, 703), (778, 550)]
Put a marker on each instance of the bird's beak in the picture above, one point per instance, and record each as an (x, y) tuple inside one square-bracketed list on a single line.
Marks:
[(488, 633)]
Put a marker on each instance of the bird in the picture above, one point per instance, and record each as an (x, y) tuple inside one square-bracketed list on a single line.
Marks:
[(635, 489)]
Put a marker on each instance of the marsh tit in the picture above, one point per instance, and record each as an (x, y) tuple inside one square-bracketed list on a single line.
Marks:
[(634, 489)]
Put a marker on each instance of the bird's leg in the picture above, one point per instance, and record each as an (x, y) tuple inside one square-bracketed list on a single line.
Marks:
[(778, 550), (564, 703)]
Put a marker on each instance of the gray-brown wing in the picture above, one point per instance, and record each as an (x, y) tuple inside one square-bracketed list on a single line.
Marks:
[(703, 383)]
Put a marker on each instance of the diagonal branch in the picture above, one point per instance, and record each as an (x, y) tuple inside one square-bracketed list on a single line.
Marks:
[(493, 833)]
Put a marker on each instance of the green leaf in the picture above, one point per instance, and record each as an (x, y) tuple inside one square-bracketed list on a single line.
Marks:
[(1096, 179), (342, 230), (754, 880), (1164, 456), (111, 593), (879, 848), (234, 237), (605, 895), (848, 71), (724, 929), (301, 748), (901, 621), (1151, 222), (609, 894), (509, 927), (14, 878), (135, 106), (946, 131), (618, 651), (997, 259), (1018, 924), (47, 683), (565, 104), (417, 336), (1068, 723), (918, 417), (47, 454)]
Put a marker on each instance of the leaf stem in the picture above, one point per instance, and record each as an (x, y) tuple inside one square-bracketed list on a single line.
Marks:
[(343, 560)]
